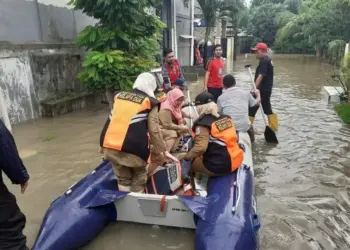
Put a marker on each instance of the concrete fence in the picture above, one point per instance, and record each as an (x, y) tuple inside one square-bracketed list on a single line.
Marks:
[(38, 57), (40, 20), (31, 73)]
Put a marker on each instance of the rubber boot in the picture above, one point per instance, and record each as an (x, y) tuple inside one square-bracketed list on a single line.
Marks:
[(273, 122), (124, 188), (251, 119)]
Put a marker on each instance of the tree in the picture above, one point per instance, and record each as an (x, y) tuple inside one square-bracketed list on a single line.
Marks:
[(235, 12), (262, 23), (122, 44), (319, 25), (293, 6)]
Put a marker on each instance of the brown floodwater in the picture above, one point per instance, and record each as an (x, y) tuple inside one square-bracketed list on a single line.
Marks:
[(303, 183)]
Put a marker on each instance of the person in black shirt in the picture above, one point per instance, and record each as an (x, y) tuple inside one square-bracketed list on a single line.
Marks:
[(264, 82), (12, 220)]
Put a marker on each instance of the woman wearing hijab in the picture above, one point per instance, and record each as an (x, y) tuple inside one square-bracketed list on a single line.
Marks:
[(132, 125), (216, 151), (172, 119)]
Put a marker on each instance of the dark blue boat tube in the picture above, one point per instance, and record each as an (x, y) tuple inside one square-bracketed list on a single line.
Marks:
[(68, 223), (229, 221), (226, 218)]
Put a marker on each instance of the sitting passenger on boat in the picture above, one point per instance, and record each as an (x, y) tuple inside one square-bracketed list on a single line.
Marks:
[(125, 137), (235, 102), (172, 123), (216, 150)]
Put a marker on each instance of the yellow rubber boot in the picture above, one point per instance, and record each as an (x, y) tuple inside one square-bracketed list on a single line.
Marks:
[(273, 122), (251, 119)]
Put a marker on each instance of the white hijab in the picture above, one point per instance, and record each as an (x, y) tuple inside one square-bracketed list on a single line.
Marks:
[(209, 108), (146, 83)]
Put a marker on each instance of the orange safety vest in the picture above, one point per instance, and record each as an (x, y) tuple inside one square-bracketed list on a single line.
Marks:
[(223, 154), (127, 127)]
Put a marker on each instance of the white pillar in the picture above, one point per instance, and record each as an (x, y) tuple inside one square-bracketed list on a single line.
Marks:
[(175, 33), (192, 33)]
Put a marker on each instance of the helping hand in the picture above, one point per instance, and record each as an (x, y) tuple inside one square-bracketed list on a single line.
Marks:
[(185, 129), (170, 157)]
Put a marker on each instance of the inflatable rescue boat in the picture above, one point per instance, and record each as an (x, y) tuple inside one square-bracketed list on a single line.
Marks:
[(223, 212)]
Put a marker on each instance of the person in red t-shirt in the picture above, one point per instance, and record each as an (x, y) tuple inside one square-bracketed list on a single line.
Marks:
[(171, 70), (215, 73)]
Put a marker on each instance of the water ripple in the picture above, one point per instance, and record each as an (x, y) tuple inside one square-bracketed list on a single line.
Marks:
[(302, 183)]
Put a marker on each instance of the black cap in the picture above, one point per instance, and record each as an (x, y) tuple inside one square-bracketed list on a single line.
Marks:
[(180, 83), (204, 98)]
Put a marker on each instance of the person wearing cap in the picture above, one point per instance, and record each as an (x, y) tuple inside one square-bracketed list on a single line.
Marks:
[(264, 82), (215, 73), (180, 84), (216, 151), (235, 103), (171, 70)]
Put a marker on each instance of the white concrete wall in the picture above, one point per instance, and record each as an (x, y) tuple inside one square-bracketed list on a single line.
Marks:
[(29, 76), (183, 27), (16, 86), (40, 20)]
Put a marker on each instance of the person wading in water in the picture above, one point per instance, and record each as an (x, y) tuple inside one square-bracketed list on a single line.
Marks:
[(264, 82)]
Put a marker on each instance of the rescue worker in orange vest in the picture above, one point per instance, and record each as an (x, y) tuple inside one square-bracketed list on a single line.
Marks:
[(124, 137), (216, 150)]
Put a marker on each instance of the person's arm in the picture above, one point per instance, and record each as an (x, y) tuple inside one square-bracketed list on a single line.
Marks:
[(185, 115), (10, 161), (219, 105), (165, 76), (206, 79), (201, 143), (263, 64), (166, 118), (207, 75), (258, 97), (181, 75), (155, 133), (254, 101)]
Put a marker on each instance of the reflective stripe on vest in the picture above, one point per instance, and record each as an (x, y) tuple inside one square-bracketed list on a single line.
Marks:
[(127, 130)]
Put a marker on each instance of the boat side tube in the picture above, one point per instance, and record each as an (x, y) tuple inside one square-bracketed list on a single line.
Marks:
[(69, 223), (226, 219)]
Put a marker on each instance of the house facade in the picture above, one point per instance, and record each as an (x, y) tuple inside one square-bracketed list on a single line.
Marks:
[(177, 35)]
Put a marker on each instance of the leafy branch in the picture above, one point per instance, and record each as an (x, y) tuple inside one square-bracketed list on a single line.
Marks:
[(122, 44)]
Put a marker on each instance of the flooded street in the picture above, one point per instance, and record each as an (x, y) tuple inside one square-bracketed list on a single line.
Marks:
[(303, 184)]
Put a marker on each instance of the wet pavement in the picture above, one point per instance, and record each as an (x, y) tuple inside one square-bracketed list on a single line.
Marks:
[(303, 184)]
